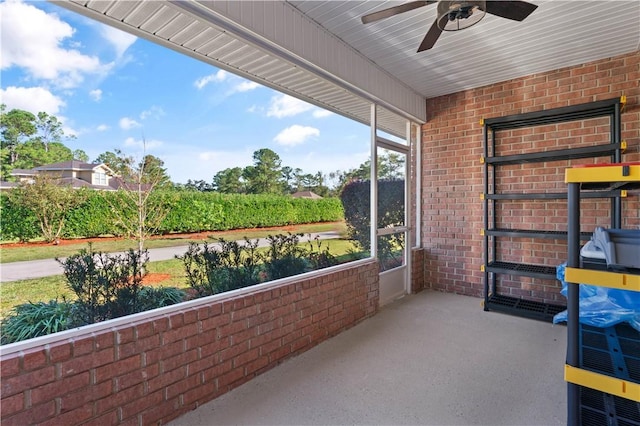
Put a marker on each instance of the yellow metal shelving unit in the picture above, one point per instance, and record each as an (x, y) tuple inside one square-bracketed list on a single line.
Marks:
[(583, 380)]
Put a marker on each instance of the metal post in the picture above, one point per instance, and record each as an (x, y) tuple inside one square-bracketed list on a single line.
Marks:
[(573, 314), (374, 182)]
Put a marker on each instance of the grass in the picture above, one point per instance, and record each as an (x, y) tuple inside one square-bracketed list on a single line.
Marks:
[(39, 251), (54, 287)]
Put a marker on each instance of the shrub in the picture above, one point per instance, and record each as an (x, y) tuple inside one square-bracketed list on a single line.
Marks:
[(226, 266), (106, 286), (36, 319), (17, 222), (356, 201), (152, 298), (186, 212), (284, 257)]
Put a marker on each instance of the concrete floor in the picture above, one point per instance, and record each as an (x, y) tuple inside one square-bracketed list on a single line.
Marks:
[(427, 359)]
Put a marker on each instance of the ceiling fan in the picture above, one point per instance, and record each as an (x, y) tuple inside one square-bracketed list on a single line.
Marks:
[(454, 15)]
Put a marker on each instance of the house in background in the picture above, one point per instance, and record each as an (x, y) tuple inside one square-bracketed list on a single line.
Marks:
[(306, 194), (75, 173)]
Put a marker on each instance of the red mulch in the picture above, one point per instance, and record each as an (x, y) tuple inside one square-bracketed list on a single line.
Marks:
[(152, 279), (194, 236)]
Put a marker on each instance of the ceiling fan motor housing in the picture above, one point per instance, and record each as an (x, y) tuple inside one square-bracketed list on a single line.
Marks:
[(457, 15)]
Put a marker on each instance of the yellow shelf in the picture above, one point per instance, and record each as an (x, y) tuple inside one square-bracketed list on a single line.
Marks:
[(603, 278), (602, 383), (613, 173)]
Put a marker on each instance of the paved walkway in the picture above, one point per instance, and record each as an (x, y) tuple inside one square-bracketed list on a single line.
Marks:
[(15, 271)]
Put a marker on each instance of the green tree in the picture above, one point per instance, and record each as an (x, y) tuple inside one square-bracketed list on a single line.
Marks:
[(229, 181), (265, 176), (80, 155), (154, 172), (116, 161), (49, 201), (137, 211), (30, 141), (49, 129), (16, 126), (33, 154)]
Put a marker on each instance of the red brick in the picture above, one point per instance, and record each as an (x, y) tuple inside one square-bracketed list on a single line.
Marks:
[(34, 359), (181, 387), (35, 415), (16, 384), (228, 379), (117, 368), (75, 417), (59, 352), (179, 360), (85, 363), (137, 376), (118, 399), (166, 378), (73, 400), (12, 404), (59, 388), (134, 408), (109, 418), (9, 366)]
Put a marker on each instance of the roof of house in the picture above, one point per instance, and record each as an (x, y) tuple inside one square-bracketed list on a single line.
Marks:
[(306, 194), (69, 165), (23, 172)]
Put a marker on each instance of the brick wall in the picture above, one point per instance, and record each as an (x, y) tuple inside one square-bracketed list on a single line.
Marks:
[(452, 176), (417, 270), (154, 370)]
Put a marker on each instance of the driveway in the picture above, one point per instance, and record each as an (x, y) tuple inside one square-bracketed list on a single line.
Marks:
[(16, 271)]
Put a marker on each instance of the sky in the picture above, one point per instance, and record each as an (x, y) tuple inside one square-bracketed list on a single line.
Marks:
[(112, 90)]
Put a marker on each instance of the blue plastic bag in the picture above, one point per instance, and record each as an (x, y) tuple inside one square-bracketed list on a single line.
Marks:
[(602, 306)]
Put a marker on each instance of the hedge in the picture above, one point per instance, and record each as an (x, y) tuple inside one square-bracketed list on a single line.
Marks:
[(187, 212)]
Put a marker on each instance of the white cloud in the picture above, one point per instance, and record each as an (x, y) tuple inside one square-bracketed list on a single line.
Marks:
[(154, 112), (102, 128), (296, 135), (117, 38), (96, 95), (245, 86), (32, 39), (32, 99), (321, 113), (127, 123), (286, 106), (218, 77), (142, 144)]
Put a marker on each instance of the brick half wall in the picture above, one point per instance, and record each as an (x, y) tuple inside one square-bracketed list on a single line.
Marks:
[(153, 370), (452, 175)]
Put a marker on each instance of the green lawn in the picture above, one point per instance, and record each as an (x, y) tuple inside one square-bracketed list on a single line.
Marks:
[(39, 251), (49, 288)]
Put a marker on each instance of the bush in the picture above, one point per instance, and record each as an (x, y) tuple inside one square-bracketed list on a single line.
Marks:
[(187, 212), (152, 298), (356, 201), (284, 257), (229, 266), (17, 222), (36, 319), (107, 286)]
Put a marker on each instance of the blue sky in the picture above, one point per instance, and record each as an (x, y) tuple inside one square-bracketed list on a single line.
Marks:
[(112, 90)]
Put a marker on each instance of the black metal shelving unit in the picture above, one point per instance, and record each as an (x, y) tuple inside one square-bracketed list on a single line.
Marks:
[(603, 364), (493, 265)]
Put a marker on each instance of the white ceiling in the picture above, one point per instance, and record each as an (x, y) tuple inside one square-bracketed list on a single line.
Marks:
[(557, 34), (320, 51)]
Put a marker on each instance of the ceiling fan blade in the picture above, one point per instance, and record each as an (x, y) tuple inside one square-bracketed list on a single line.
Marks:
[(432, 35), (386, 13), (515, 10)]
